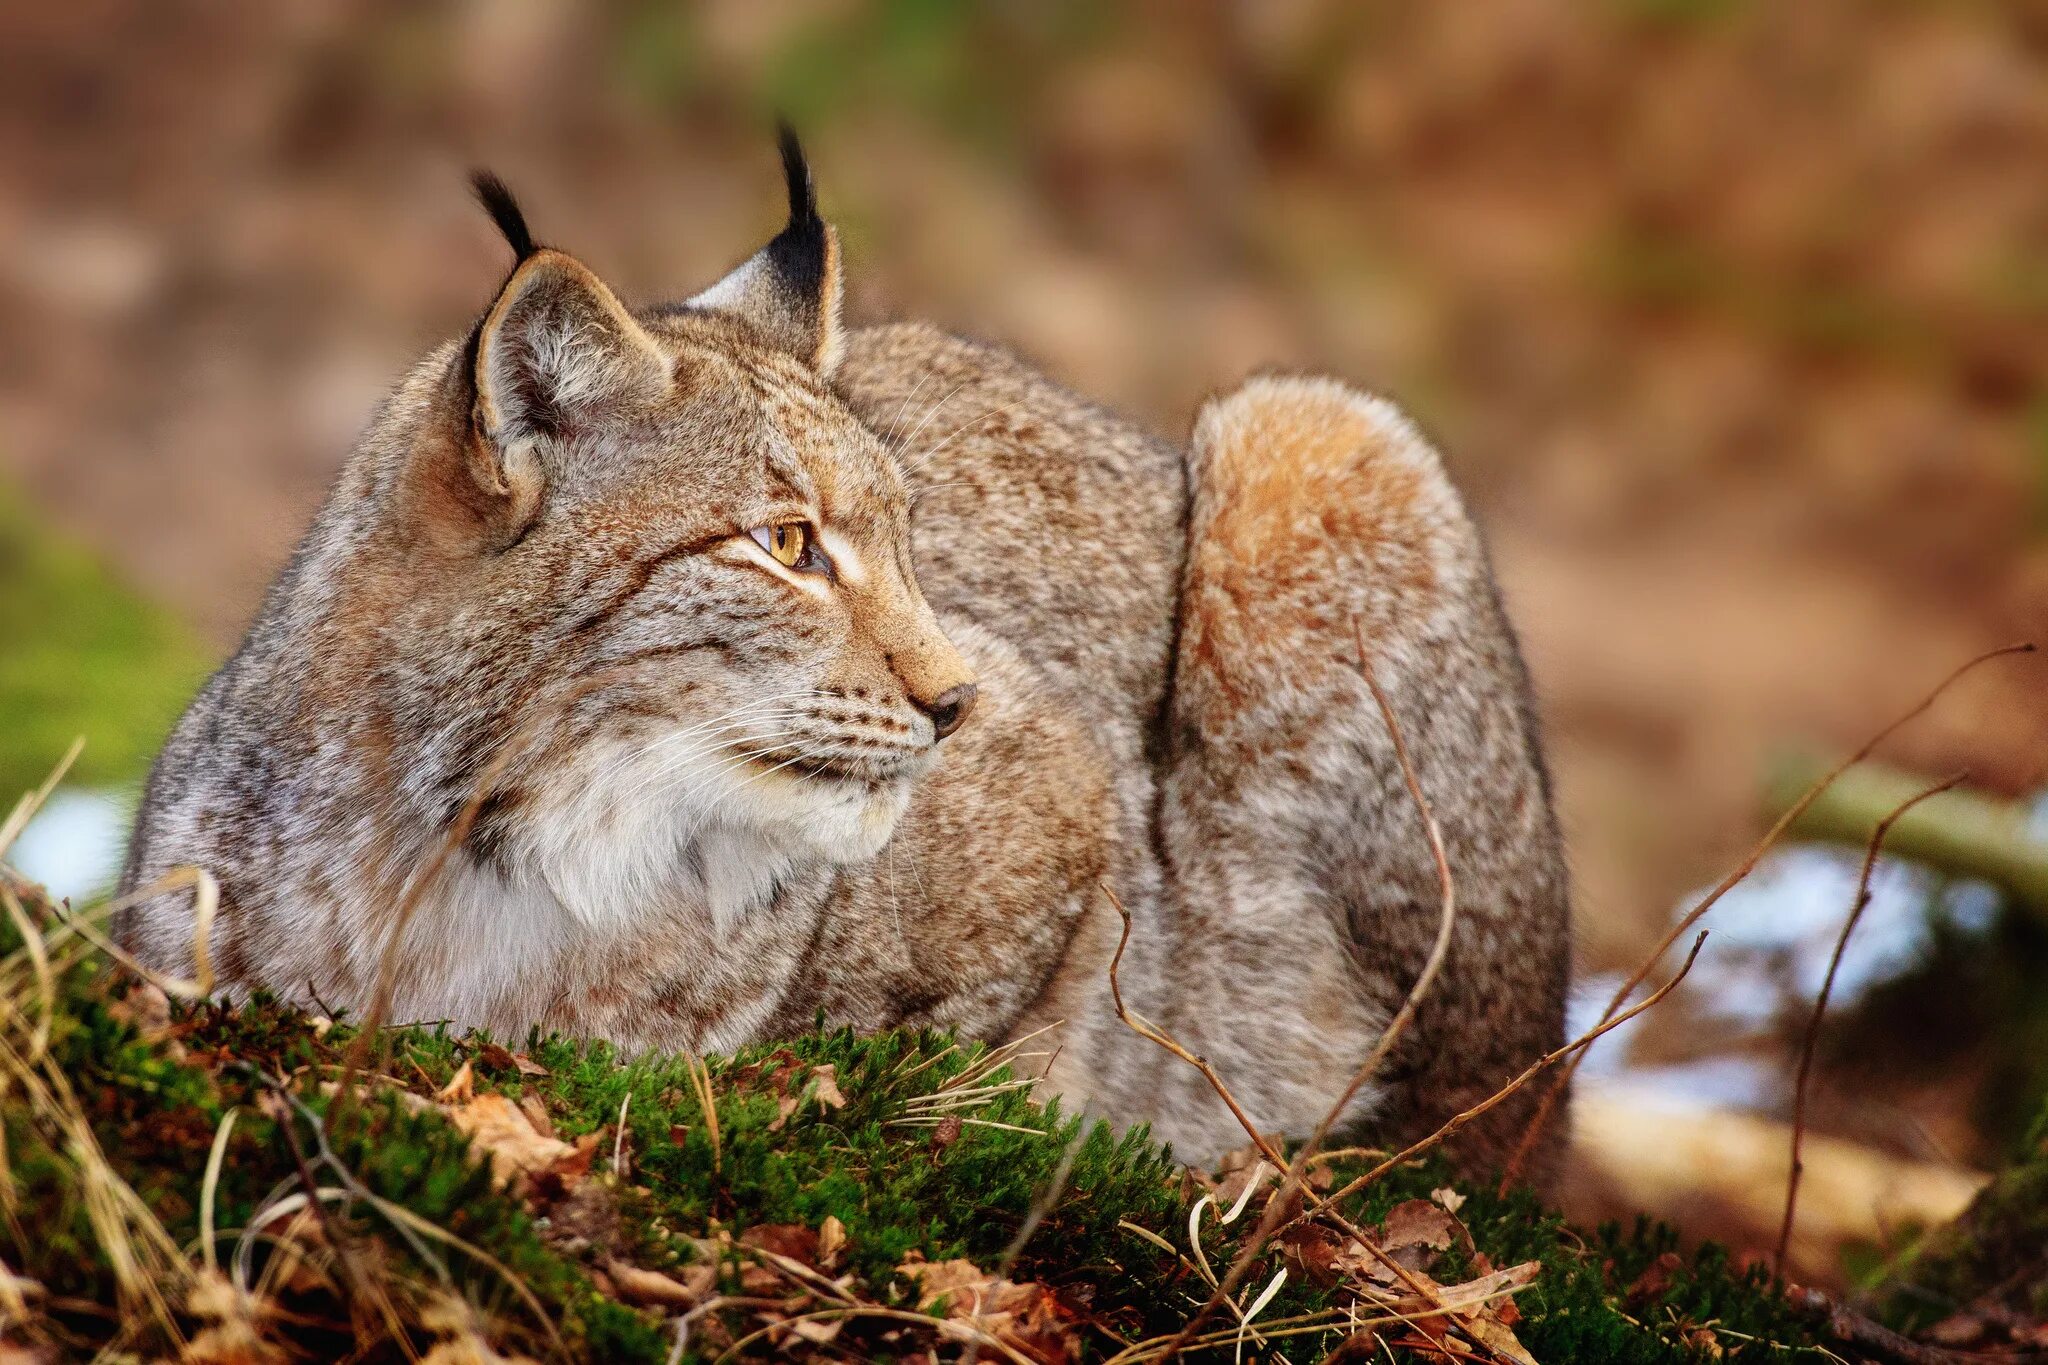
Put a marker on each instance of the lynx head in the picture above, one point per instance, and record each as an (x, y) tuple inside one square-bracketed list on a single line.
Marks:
[(677, 572)]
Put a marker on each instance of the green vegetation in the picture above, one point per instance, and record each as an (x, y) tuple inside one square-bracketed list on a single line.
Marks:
[(84, 656), (807, 1192), (1993, 1260)]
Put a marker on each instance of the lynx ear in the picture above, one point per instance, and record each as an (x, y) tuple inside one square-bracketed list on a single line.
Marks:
[(789, 290), (554, 354)]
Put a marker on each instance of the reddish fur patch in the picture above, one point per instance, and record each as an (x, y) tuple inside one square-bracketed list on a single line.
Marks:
[(1317, 502)]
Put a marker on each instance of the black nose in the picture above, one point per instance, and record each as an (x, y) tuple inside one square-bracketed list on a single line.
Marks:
[(949, 709)]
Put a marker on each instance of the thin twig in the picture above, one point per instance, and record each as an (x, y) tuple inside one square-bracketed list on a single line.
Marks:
[(1139, 1025), (1875, 1339), (1820, 1006), (1555, 1095), (619, 1152), (1535, 1068), (1275, 1210), (1324, 1208)]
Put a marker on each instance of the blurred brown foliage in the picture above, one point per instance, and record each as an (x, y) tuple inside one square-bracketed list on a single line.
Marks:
[(1732, 316)]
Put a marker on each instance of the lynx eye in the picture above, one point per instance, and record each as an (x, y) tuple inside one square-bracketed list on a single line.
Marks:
[(793, 545)]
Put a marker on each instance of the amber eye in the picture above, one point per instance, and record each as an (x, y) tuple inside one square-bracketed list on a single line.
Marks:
[(787, 542), (792, 544)]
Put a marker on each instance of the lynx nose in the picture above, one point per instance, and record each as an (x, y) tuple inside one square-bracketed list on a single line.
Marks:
[(949, 709)]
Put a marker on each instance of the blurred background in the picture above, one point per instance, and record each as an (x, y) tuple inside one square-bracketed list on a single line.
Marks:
[(1731, 316)]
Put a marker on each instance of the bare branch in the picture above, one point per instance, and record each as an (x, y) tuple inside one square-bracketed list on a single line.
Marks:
[(1145, 1029), (1548, 1108), (1820, 1006), (1275, 1211), (1534, 1069)]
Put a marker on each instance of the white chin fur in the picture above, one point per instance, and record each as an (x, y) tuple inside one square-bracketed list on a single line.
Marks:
[(629, 831)]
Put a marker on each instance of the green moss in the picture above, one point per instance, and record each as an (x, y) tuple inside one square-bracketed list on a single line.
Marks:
[(155, 1105), (1995, 1254), (83, 656)]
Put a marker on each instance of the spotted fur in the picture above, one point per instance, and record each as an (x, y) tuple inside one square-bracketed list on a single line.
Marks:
[(533, 722)]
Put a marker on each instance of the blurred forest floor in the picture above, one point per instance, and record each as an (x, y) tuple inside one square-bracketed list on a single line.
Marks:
[(1732, 317)]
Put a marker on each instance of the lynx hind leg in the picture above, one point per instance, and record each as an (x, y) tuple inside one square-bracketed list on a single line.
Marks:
[(1323, 523)]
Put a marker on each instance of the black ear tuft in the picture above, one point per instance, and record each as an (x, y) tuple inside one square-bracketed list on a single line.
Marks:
[(798, 251), (504, 211), (796, 174), (790, 289)]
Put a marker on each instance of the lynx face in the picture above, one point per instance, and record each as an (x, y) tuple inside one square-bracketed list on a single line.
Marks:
[(725, 667)]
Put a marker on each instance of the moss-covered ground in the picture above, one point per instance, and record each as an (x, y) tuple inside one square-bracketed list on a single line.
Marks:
[(786, 1217)]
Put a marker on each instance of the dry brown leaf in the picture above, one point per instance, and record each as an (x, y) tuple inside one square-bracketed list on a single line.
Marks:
[(1703, 1341), (825, 1085), (1959, 1330), (831, 1241), (537, 1115), (1313, 1251), (230, 1336), (461, 1086), (652, 1289), (935, 1280), (497, 1127), (1497, 1337), (1234, 1181), (526, 1066), (792, 1241), (1416, 1231), (227, 1344), (470, 1349), (816, 1331), (1026, 1317), (785, 1105), (1477, 1313), (1470, 1297), (1449, 1198)]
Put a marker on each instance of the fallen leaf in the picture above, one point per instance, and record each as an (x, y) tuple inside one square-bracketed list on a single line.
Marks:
[(825, 1085), (1417, 1230), (935, 1280), (1473, 1295), (461, 1086), (816, 1331), (1023, 1316), (564, 1175), (791, 1241), (497, 1127), (1236, 1180), (537, 1115), (1362, 1345), (526, 1066), (1313, 1250), (785, 1105), (1449, 1198), (831, 1241), (1959, 1330), (1704, 1343), (1497, 1337), (496, 1056), (649, 1288)]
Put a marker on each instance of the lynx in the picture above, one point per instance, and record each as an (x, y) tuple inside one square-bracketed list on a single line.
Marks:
[(671, 675)]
